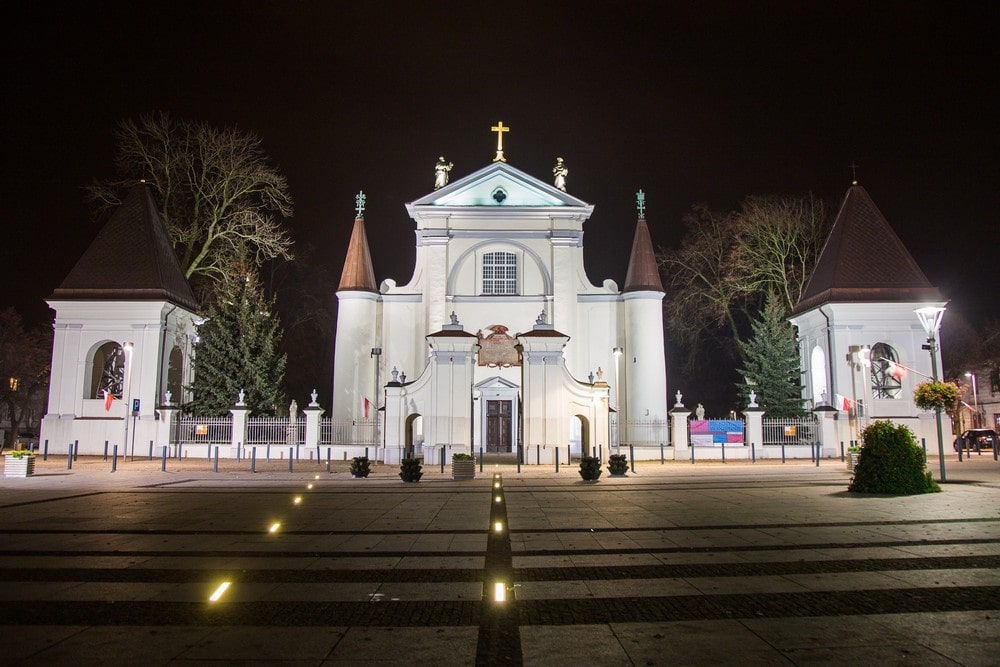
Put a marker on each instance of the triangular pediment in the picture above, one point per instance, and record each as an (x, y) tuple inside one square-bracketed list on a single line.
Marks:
[(496, 382), (483, 188)]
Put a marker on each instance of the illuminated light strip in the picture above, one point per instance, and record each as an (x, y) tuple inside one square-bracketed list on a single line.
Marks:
[(219, 591), (499, 592), (298, 499), (498, 527), (274, 527)]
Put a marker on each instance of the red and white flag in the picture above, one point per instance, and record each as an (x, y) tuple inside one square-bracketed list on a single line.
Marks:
[(366, 407), (108, 399), (896, 371), (842, 403)]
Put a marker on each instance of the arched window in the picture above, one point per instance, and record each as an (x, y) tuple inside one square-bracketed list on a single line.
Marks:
[(817, 366), (175, 374), (884, 383), (107, 371), (499, 273)]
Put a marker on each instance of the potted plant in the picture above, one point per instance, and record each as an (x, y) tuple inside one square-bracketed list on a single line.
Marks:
[(360, 467), (590, 468), (410, 470), (618, 465), (934, 395), (853, 454), (19, 463), (463, 466)]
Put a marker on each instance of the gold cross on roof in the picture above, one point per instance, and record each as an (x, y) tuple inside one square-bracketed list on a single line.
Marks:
[(499, 129)]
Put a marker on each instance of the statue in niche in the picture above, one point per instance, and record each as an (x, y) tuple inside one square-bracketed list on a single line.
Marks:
[(560, 172), (441, 170)]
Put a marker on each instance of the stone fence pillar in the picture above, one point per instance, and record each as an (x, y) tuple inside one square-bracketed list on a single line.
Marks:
[(755, 428), (313, 414), (240, 414), (826, 418), (679, 431)]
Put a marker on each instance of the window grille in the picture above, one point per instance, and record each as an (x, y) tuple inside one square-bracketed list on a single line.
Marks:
[(499, 273)]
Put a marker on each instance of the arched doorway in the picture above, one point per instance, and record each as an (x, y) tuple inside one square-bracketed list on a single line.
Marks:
[(413, 444), (579, 437)]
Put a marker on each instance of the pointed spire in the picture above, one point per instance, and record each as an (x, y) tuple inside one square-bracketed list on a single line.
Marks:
[(358, 274), (131, 259), (864, 261), (643, 274)]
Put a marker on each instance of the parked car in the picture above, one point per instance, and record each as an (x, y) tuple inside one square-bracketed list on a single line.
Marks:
[(976, 439)]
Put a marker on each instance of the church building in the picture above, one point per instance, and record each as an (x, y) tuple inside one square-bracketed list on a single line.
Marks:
[(499, 339), (860, 323)]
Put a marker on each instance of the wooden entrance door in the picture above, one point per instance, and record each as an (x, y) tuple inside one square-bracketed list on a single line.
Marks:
[(498, 426)]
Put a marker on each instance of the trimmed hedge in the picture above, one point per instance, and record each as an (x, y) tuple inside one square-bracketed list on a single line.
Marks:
[(892, 462)]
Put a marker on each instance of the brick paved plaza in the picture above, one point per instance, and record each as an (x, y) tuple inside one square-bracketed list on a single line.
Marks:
[(674, 564)]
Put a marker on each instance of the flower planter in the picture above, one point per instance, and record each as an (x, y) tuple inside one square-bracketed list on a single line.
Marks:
[(852, 460), (18, 466), (463, 469)]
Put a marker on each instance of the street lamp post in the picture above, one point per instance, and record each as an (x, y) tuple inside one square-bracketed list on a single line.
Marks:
[(617, 351), (930, 319), (975, 399), (376, 354)]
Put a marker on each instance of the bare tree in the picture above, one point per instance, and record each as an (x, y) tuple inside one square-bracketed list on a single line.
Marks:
[(219, 196), (729, 262), (25, 356)]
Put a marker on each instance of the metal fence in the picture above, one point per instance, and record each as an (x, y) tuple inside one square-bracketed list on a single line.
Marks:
[(791, 431), (347, 432), (640, 432), (275, 430), (203, 430)]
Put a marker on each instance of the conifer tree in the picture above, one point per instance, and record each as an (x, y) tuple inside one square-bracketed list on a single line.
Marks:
[(771, 363), (238, 349)]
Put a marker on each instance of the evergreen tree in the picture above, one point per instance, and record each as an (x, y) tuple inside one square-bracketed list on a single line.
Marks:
[(238, 349), (771, 363)]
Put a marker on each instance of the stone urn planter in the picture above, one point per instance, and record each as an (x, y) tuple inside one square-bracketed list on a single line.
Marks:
[(463, 466), (410, 470), (590, 468), (18, 466)]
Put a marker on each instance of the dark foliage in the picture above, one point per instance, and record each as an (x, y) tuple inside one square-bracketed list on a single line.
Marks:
[(590, 468), (891, 462)]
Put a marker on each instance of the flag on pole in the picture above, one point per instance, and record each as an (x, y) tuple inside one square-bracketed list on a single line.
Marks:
[(108, 399), (842, 403), (896, 371), (367, 406)]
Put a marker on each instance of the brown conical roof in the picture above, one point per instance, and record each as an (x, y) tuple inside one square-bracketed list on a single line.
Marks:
[(643, 273), (358, 274), (864, 261), (131, 259)]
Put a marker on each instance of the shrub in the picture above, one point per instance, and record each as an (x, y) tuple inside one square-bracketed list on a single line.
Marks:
[(360, 466), (590, 468), (410, 470), (934, 394), (891, 461), (617, 464)]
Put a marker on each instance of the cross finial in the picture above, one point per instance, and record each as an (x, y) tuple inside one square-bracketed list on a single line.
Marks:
[(854, 173), (499, 129), (640, 202), (359, 203)]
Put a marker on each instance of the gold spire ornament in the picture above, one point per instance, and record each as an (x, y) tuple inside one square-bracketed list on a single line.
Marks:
[(499, 129)]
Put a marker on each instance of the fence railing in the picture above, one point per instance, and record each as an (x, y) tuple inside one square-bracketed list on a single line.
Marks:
[(347, 432), (203, 430), (275, 430), (640, 432), (790, 431)]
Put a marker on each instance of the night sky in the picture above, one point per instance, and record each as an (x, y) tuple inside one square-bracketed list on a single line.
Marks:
[(702, 102)]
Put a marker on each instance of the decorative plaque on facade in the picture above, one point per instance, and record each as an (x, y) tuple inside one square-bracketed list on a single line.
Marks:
[(497, 349)]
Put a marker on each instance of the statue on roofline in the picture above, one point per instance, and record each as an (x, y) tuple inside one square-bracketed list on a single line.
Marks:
[(560, 172), (441, 170)]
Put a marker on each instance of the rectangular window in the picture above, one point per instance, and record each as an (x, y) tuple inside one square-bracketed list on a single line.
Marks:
[(499, 273)]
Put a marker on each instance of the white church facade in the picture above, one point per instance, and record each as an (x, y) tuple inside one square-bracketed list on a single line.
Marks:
[(499, 339)]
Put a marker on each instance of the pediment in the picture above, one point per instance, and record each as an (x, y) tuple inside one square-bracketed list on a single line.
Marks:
[(481, 189), (496, 382)]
